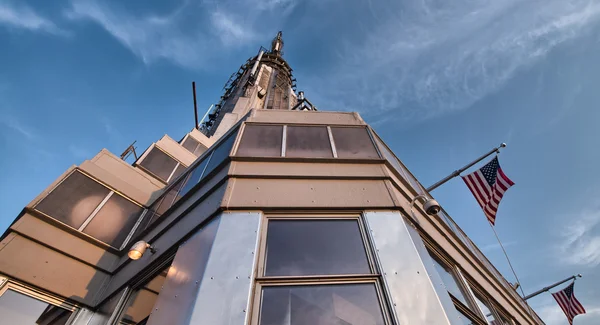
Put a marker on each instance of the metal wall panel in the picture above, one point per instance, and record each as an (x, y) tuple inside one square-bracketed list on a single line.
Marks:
[(414, 288), (178, 295), (224, 292)]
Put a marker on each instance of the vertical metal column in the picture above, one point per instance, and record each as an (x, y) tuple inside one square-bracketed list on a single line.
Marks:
[(415, 289)]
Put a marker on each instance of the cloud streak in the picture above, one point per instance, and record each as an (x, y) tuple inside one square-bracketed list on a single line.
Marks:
[(581, 240), (426, 58), (23, 17)]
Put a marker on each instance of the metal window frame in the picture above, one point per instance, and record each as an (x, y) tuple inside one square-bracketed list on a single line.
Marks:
[(139, 162), (242, 132), (369, 132), (262, 281), (331, 146), (486, 300), (7, 283)]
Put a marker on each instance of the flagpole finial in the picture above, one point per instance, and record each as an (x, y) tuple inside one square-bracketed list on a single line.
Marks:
[(579, 275), (502, 145)]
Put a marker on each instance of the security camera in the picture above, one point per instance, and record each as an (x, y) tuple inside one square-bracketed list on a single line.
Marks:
[(432, 207)]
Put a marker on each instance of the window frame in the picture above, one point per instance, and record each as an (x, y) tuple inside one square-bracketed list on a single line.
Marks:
[(138, 164), (6, 283), (261, 280), (111, 191)]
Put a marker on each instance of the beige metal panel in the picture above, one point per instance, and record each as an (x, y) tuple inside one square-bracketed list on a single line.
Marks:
[(171, 237), (50, 270), (305, 117), (200, 137), (173, 148), (229, 120), (33, 227), (124, 181), (453, 247), (303, 193), (113, 164), (309, 169)]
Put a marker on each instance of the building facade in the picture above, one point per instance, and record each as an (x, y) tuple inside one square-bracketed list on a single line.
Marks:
[(270, 213)]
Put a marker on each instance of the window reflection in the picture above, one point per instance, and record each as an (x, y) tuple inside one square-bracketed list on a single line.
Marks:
[(308, 142), (450, 281), (114, 221), (159, 163), (17, 308), (261, 141), (340, 304), (353, 142), (140, 303), (315, 247), (485, 309)]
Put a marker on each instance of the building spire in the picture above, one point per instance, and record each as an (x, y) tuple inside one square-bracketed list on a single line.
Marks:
[(277, 44)]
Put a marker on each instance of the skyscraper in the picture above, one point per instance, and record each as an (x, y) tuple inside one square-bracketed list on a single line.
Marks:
[(269, 212)]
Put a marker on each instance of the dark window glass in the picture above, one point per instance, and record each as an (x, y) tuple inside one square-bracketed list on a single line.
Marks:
[(194, 177), (114, 221), (20, 309), (190, 144), (220, 154), (340, 304), (315, 247), (178, 171), (159, 164), (74, 199), (485, 309), (261, 141), (200, 149), (450, 282), (308, 142), (142, 301), (353, 143)]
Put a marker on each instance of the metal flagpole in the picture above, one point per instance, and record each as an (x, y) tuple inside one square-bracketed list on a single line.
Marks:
[(457, 172), (574, 277)]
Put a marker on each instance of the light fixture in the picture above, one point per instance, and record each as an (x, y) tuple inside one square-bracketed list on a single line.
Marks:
[(431, 206), (137, 250)]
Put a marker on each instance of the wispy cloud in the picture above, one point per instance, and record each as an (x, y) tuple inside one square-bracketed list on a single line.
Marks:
[(23, 17), (581, 239), (426, 58), (188, 35), (489, 248), (16, 126), (551, 314)]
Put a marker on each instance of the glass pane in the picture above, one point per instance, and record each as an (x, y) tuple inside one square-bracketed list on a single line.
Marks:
[(485, 309), (353, 143), (194, 177), (114, 221), (464, 319), (200, 149), (16, 308), (449, 281), (308, 142), (190, 144), (347, 304), (159, 163), (140, 303), (178, 171), (220, 154), (261, 141), (315, 247), (74, 199)]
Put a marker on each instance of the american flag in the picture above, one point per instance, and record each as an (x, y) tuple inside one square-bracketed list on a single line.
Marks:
[(569, 304), (488, 185)]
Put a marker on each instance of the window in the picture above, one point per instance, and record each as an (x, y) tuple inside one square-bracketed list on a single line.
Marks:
[(91, 208), (17, 308), (193, 146), (195, 176), (315, 247), (484, 306), (450, 281), (114, 220), (353, 142), (261, 141), (142, 300), (220, 154), (308, 142), (159, 164), (317, 271), (338, 304), (73, 200)]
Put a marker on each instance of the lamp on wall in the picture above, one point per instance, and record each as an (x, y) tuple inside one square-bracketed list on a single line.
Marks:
[(138, 249)]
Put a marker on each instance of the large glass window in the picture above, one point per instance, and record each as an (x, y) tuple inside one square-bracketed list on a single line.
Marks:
[(195, 176), (73, 200), (353, 142), (450, 281), (114, 220), (308, 142), (159, 164), (339, 304), (315, 247), (220, 154), (261, 141), (142, 300), (193, 146), (17, 308), (485, 308)]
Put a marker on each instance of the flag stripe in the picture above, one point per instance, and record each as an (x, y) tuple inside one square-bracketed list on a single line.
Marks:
[(568, 303)]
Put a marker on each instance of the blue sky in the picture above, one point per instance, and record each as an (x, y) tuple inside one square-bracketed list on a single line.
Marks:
[(441, 81)]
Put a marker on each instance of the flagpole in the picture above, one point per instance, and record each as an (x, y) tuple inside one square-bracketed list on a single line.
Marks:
[(574, 277), (457, 172)]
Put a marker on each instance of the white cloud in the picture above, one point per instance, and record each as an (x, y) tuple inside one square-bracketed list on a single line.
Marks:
[(426, 58), (551, 314), (23, 17), (16, 126), (581, 239), (229, 30), (489, 248)]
